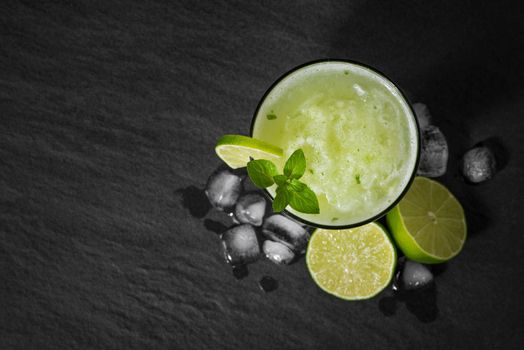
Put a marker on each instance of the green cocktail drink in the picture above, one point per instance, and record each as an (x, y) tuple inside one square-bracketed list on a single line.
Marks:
[(357, 131)]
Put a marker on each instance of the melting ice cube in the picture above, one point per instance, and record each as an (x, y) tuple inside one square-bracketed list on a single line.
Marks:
[(279, 228), (479, 164), (223, 188), (433, 152), (412, 275), (241, 245), (250, 209), (277, 252), (423, 115)]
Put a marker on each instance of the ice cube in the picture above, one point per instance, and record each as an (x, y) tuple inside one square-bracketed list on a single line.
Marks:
[(268, 284), (277, 252), (241, 245), (422, 114), (479, 164), (234, 218), (412, 275), (223, 189), (433, 152), (279, 228), (250, 209)]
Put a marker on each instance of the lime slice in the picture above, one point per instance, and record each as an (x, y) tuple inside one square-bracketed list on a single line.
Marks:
[(351, 264), (428, 224), (235, 150)]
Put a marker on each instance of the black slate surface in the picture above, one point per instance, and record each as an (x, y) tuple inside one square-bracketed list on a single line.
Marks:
[(109, 111)]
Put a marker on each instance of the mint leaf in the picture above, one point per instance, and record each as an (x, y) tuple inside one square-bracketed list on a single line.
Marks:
[(271, 116), (261, 172), (281, 200), (280, 180), (304, 201), (295, 165), (296, 185)]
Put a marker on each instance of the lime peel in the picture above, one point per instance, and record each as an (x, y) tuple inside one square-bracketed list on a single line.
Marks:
[(428, 224), (237, 150)]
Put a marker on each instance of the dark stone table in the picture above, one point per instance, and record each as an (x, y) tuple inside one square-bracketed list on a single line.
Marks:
[(109, 111)]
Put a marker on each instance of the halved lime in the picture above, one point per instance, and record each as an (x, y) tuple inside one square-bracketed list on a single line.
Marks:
[(235, 150), (351, 264), (428, 224)]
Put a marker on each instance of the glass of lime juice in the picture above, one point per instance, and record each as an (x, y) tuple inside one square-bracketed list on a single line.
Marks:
[(358, 133)]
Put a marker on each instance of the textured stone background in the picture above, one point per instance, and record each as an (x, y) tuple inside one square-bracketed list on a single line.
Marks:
[(109, 111)]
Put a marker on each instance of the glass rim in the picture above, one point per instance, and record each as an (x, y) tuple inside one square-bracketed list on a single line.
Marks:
[(417, 150)]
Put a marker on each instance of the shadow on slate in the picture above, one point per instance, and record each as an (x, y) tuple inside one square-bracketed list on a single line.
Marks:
[(215, 226), (240, 271), (438, 269), (195, 200), (422, 303), (477, 213)]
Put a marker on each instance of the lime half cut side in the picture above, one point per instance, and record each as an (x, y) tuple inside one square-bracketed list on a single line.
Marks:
[(236, 150), (428, 224), (351, 264)]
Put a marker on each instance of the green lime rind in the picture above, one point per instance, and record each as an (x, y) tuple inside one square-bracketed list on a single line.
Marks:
[(406, 240), (236, 150)]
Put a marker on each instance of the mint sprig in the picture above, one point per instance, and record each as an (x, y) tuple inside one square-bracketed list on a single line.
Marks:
[(290, 191)]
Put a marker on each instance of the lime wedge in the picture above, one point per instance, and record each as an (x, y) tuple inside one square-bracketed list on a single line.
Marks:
[(428, 224), (235, 150), (351, 264)]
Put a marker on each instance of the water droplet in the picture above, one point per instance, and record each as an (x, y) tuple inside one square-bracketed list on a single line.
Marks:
[(268, 284), (240, 271)]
